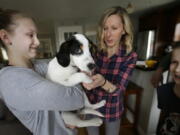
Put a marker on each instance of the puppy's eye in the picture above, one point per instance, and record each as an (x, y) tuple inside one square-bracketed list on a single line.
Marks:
[(78, 51)]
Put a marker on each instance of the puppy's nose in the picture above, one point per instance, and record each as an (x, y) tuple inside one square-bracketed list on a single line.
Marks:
[(91, 66)]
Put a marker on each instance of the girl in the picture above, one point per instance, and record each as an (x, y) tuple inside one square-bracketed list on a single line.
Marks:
[(35, 101)]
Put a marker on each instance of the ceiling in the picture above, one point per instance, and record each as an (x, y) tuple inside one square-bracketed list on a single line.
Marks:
[(48, 12)]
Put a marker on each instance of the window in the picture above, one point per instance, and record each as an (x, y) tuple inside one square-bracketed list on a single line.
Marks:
[(145, 44)]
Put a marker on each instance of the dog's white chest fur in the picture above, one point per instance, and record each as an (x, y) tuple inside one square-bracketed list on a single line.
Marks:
[(59, 74)]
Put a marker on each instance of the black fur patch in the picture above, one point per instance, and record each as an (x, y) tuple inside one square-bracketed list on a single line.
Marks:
[(71, 46)]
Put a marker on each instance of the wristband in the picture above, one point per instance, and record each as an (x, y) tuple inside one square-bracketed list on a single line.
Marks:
[(104, 82)]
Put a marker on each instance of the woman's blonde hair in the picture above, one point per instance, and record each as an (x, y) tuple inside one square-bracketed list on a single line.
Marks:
[(127, 38)]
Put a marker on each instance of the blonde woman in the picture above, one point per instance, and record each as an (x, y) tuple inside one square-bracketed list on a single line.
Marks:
[(115, 62)]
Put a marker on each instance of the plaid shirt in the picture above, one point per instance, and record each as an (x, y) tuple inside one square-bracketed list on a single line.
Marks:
[(117, 70)]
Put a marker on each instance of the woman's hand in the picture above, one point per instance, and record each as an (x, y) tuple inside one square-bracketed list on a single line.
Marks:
[(98, 80)]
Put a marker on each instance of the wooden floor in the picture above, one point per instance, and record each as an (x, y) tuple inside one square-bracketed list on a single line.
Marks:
[(127, 131)]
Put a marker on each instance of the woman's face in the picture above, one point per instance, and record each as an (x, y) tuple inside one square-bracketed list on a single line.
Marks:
[(24, 38), (113, 30), (175, 66)]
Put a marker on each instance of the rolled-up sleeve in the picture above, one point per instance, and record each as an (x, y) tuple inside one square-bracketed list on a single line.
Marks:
[(125, 72)]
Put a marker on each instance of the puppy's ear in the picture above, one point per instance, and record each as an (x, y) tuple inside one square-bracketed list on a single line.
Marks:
[(63, 56), (92, 47)]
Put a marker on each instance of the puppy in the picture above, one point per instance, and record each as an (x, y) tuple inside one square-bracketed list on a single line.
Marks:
[(68, 68)]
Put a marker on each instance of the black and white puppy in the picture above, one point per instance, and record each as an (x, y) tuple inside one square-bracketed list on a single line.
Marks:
[(67, 68)]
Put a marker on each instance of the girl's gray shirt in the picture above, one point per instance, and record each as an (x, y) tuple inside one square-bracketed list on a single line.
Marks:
[(36, 101)]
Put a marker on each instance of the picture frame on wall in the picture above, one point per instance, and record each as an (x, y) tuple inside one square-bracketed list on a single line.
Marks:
[(45, 48), (65, 32)]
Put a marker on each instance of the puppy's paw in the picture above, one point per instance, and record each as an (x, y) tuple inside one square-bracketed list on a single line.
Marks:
[(102, 103), (86, 79), (97, 122), (99, 104)]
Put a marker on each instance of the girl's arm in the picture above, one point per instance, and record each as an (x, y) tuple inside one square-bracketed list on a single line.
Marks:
[(26, 90)]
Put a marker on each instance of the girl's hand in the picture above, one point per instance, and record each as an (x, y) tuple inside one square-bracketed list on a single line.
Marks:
[(98, 80), (70, 126)]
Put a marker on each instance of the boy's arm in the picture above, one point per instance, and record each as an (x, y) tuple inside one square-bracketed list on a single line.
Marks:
[(163, 66)]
